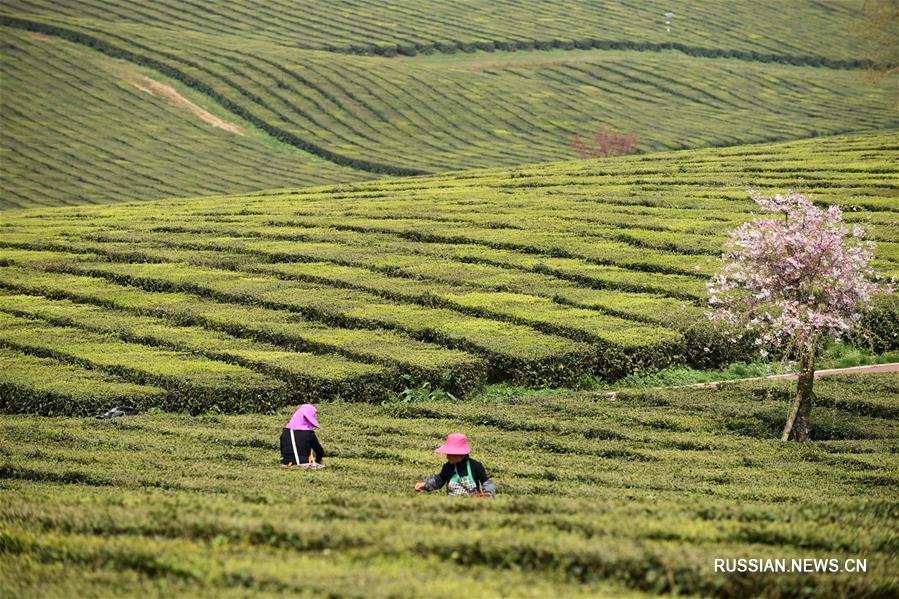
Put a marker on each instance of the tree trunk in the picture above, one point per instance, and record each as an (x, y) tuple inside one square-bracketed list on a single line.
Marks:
[(799, 421)]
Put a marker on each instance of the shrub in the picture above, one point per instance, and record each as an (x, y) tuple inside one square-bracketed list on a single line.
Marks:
[(878, 328), (604, 143)]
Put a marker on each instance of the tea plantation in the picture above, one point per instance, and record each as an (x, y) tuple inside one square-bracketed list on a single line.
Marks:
[(544, 275), (339, 94), (628, 497), (122, 143), (802, 28), (216, 211)]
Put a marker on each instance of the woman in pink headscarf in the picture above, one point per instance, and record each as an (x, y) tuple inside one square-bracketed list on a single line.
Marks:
[(298, 438), (461, 474)]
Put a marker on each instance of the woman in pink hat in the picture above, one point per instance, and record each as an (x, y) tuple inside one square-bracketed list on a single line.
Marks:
[(461, 474), (298, 438)]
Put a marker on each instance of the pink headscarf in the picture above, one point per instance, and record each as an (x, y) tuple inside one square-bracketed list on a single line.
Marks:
[(304, 419)]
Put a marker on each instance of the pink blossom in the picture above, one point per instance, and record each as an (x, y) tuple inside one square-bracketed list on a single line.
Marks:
[(801, 275)]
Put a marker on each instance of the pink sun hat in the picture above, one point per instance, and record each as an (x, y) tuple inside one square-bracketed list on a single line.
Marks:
[(304, 419), (456, 444)]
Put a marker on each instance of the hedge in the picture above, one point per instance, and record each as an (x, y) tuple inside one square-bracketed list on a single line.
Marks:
[(31, 384), (310, 376), (589, 43), (643, 503), (503, 344), (167, 69), (458, 372), (192, 383), (544, 274)]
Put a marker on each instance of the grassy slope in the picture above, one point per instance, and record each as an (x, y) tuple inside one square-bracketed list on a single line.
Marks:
[(597, 498), (75, 129), (543, 274), (799, 28), (438, 113), (441, 111)]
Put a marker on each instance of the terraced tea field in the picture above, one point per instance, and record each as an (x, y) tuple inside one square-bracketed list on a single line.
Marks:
[(540, 275), (122, 142), (216, 211), (626, 498), (802, 28), (338, 98)]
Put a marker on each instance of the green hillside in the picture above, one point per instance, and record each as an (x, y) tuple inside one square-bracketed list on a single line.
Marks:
[(628, 498), (542, 275), (800, 28), (77, 126), (465, 100), (216, 211)]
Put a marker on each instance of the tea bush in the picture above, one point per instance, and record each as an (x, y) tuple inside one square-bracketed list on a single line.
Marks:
[(348, 94), (628, 497), (559, 274)]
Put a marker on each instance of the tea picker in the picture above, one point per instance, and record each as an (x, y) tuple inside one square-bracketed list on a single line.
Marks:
[(299, 445), (461, 474)]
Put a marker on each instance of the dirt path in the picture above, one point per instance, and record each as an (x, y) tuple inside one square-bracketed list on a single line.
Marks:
[(870, 369), (169, 93)]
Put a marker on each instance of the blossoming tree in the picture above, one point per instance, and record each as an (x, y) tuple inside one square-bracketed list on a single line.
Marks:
[(794, 279)]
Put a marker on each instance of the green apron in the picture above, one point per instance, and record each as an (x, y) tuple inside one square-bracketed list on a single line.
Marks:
[(462, 485)]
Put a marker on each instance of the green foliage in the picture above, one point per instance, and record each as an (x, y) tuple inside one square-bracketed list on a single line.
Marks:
[(123, 143), (543, 276), (193, 383), (840, 354), (684, 375), (420, 28), (513, 350), (425, 362), (878, 330), (310, 376), (423, 392), (632, 497), (321, 113), (46, 386)]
